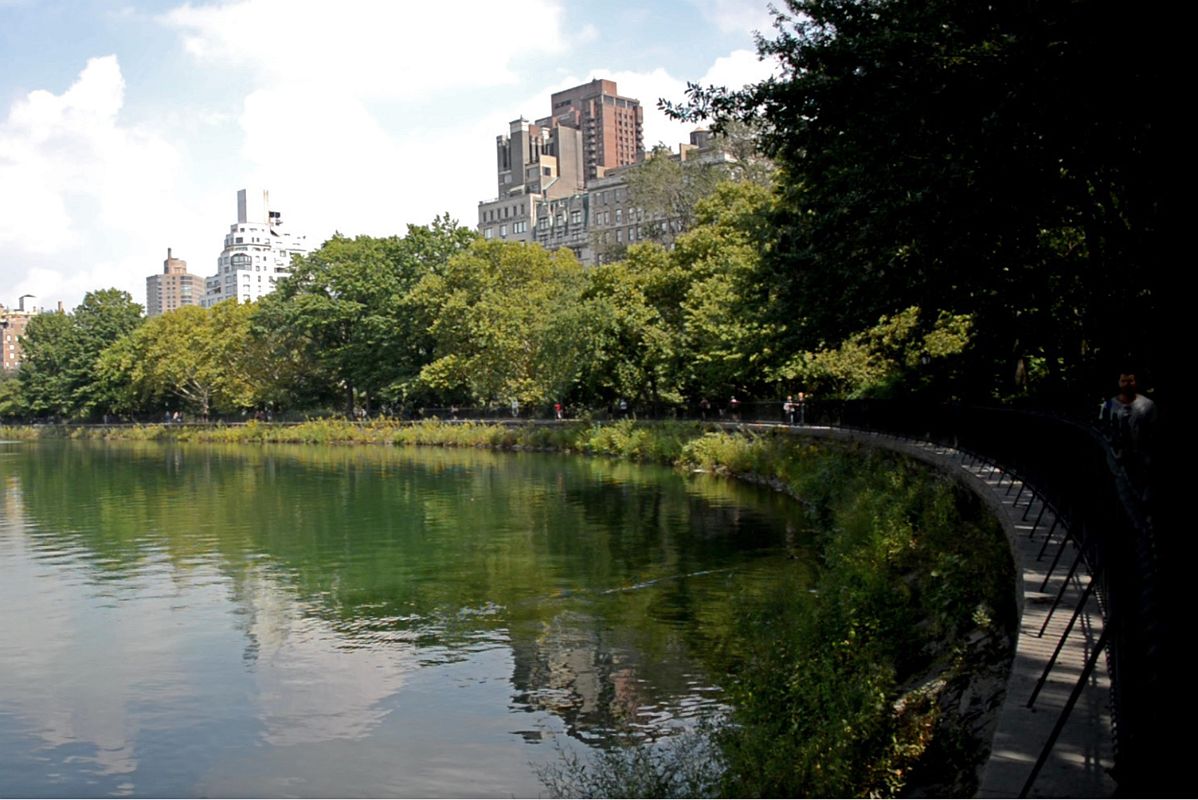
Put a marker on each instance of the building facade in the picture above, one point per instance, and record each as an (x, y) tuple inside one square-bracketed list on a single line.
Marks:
[(539, 159), (12, 328), (256, 254), (173, 288), (617, 221), (553, 199), (543, 169), (564, 222)]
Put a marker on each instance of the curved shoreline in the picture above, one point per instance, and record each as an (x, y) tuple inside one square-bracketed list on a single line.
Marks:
[(1079, 764), (1014, 745)]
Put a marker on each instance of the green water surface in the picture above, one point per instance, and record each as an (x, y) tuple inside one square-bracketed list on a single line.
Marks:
[(257, 621)]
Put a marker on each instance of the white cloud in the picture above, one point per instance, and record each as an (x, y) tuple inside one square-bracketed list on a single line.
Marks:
[(737, 69), (322, 78), (74, 176), (360, 117), (586, 34), (69, 283), (357, 176), (48, 145), (737, 16), (368, 48)]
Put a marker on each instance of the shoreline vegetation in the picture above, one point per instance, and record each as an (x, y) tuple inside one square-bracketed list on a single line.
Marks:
[(884, 679)]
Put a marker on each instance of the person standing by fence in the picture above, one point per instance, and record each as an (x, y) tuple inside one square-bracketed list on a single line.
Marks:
[(1128, 419)]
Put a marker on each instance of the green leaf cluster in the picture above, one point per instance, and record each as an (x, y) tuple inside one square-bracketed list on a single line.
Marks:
[(897, 354), (832, 705), (504, 324), (193, 359), (346, 323), (61, 353), (989, 161)]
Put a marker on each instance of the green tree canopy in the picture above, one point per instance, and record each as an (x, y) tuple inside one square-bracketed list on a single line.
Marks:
[(993, 160), (632, 341), (51, 349), (194, 358), (61, 352), (729, 317), (495, 317), (343, 311), (899, 351), (100, 320), (668, 187)]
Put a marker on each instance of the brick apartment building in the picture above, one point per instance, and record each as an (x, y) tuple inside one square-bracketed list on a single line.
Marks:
[(12, 327)]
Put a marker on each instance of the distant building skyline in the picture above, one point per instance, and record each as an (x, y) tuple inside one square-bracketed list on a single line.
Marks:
[(590, 130), (125, 125)]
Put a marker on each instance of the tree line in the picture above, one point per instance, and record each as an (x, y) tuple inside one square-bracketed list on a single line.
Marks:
[(964, 207), (439, 317)]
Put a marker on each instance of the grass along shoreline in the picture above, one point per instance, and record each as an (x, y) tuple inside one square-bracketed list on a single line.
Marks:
[(885, 679), (651, 442)]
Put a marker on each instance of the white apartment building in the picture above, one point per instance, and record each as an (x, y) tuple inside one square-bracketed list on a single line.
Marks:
[(257, 252)]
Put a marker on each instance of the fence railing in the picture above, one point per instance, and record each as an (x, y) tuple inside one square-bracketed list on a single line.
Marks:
[(1073, 469)]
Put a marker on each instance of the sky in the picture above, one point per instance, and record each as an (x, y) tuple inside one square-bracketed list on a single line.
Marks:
[(128, 127)]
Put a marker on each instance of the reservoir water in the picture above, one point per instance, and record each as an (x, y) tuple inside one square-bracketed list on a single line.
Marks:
[(302, 621)]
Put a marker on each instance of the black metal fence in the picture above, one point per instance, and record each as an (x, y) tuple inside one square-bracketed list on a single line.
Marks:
[(1108, 517)]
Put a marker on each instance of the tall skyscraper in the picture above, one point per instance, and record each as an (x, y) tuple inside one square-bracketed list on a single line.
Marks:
[(173, 288), (612, 126), (257, 252)]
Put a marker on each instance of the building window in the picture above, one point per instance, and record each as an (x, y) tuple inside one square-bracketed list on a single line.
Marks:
[(576, 217), (502, 231), (488, 232)]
